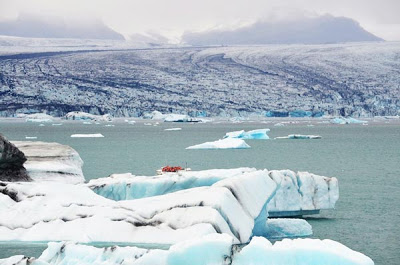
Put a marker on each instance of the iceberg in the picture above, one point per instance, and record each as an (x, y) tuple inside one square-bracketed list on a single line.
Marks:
[(51, 161), (299, 136), (54, 211), (342, 120), (179, 118), (207, 250), (297, 193), (226, 143), (173, 129), (39, 117), (285, 227), (87, 135), (253, 134), (83, 116)]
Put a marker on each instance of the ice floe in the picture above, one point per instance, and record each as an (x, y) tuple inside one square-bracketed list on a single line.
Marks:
[(299, 136), (226, 143), (87, 135), (51, 161), (342, 120), (253, 134), (173, 129), (207, 250)]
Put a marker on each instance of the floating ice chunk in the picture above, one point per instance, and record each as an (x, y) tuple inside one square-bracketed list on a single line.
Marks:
[(87, 135), (148, 124), (299, 136), (298, 252), (282, 228), (30, 137), (39, 117), (342, 120), (227, 143), (79, 116), (173, 129), (207, 250), (51, 162), (56, 124), (253, 134), (86, 122), (279, 124), (109, 125), (179, 118)]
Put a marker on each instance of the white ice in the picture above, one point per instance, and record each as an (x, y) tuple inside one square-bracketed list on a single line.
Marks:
[(342, 120), (286, 227), (87, 135), (39, 117), (208, 250), (79, 116), (173, 129), (226, 143)]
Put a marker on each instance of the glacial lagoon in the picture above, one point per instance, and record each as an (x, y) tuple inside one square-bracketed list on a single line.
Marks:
[(365, 159)]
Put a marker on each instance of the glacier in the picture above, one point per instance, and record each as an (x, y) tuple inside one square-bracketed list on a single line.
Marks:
[(217, 249), (226, 143), (260, 134), (299, 136), (51, 161), (297, 193)]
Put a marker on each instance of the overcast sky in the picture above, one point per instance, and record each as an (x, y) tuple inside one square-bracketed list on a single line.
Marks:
[(381, 17)]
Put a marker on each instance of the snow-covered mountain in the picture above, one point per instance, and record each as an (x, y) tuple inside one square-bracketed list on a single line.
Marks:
[(317, 30), (360, 79), (35, 27)]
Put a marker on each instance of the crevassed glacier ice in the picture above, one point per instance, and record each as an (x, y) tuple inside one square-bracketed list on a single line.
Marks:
[(299, 136), (46, 211), (253, 134), (298, 193), (226, 143), (208, 250), (51, 161)]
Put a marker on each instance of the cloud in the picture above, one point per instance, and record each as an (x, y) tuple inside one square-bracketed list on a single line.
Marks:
[(129, 16)]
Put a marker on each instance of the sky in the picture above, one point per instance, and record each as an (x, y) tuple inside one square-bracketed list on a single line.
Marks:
[(173, 17)]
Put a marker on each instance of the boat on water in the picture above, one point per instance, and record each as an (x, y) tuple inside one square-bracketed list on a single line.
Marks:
[(167, 169)]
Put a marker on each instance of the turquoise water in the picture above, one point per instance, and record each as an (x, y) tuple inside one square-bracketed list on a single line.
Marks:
[(365, 159)]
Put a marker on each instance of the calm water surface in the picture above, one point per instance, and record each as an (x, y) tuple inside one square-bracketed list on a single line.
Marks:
[(365, 159)]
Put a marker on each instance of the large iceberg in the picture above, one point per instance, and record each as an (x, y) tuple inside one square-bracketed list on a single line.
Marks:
[(207, 250), (51, 161), (47, 211), (297, 194), (253, 134), (226, 143), (83, 116)]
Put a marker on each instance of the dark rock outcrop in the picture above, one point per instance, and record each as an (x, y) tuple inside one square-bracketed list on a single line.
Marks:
[(12, 162)]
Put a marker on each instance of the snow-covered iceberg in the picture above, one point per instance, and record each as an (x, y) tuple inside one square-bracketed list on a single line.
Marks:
[(83, 116), (342, 120), (226, 143), (39, 117), (51, 161), (208, 250), (48, 211), (297, 194), (299, 136), (253, 134)]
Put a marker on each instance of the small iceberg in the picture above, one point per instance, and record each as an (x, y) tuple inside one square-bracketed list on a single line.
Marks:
[(87, 135), (173, 129), (109, 125), (342, 120), (87, 122), (56, 124), (287, 227), (279, 124), (30, 137), (38, 117), (259, 134), (227, 143), (299, 136), (79, 116)]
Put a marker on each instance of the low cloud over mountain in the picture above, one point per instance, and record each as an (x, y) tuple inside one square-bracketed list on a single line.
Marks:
[(323, 29)]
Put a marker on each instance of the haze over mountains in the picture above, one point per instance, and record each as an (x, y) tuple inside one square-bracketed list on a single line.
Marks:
[(305, 30), (318, 30), (35, 27)]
